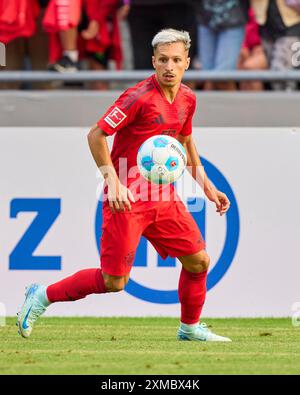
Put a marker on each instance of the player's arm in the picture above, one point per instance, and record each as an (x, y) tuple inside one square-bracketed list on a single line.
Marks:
[(197, 171), (118, 195)]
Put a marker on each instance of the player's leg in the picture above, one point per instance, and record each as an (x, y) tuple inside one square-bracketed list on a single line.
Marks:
[(39, 297), (192, 286), (78, 286), (83, 283), (192, 293), (115, 283), (120, 238), (175, 233)]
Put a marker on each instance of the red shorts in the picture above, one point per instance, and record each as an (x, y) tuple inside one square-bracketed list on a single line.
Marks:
[(169, 227)]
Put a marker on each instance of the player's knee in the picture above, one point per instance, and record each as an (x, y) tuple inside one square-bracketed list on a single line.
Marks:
[(200, 263), (117, 288), (114, 284), (117, 285), (204, 262), (196, 263)]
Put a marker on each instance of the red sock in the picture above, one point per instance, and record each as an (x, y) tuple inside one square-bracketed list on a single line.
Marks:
[(77, 286), (191, 292)]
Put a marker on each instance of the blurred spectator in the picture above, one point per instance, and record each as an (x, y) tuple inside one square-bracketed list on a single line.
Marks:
[(252, 56), (99, 39), (61, 20), (221, 32), (101, 36), (280, 29), (147, 17), (19, 23), (17, 19)]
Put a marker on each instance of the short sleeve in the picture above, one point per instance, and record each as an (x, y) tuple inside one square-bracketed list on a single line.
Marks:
[(123, 112), (187, 127)]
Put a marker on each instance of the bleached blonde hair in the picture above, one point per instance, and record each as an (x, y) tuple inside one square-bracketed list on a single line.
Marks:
[(169, 36)]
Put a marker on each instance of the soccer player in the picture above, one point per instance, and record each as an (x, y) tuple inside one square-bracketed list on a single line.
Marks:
[(160, 104)]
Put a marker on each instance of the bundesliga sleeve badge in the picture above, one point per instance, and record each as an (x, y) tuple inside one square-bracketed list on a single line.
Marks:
[(115, 117)]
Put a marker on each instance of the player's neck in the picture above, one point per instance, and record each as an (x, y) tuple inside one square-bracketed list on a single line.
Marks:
[(170, 92)]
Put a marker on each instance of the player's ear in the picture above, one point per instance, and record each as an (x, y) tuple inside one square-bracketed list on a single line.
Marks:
[(153, 61), (188, 60)]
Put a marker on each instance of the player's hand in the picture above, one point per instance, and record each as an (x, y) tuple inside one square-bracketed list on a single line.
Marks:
[(119, 197), (220, 199), (224, 203)]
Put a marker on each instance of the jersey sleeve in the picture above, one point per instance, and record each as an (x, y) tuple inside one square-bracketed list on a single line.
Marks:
[(187, 127), (123, 112)]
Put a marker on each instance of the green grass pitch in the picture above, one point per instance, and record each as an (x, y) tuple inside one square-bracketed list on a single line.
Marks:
[(148, 346)]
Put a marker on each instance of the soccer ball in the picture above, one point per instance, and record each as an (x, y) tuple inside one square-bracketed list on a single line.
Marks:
[(161, 159)]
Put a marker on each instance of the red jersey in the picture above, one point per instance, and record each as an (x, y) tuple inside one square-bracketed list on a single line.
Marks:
[(18, 19), (142, 112)]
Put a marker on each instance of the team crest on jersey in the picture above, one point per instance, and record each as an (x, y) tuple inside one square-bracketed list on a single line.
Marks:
[(115, 117)]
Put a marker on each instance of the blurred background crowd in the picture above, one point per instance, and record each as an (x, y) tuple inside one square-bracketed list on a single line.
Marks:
[(71, 35)]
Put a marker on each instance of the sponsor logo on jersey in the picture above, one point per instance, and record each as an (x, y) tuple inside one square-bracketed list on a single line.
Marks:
[(115, 117)]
